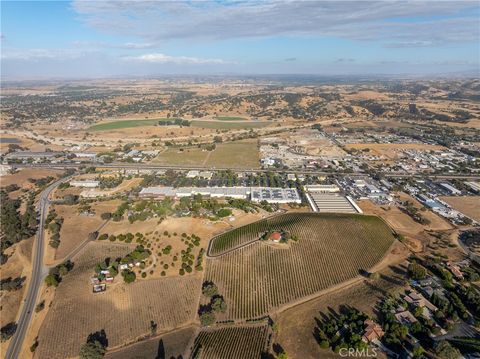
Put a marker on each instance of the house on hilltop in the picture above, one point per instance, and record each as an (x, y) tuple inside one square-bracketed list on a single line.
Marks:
[(275, 237)]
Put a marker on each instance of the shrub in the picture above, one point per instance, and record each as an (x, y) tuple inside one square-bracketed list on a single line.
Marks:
[(207, 318), (209, 289)]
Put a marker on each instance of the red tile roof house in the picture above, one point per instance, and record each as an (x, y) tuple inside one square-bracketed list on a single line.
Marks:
[(275, 237), (373, 331)]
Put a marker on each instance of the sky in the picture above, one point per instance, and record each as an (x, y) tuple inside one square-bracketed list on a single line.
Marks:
[(96, 39)]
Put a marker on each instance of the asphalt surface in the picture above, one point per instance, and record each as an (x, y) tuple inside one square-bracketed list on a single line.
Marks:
[(39, 272)]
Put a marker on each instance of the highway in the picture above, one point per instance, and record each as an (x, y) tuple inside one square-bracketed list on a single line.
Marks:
[(148, 166), (39, 271)]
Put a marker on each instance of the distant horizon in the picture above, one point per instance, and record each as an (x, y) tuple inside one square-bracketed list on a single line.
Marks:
[(104, 39), (473, 74)]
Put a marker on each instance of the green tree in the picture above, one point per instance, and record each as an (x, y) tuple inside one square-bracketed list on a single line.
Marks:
[(128, 276), (445, 351), (51, 280), (219, 305), (416, 271), (92, 350), (209, 289), (207, 318), (418, 352)]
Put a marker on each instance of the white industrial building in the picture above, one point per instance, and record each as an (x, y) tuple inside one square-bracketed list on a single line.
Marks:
[(91, 155), (256, 194), (322, 188), (85, 183), (450, 188), (330, 202), (475, 186), (275, 195)]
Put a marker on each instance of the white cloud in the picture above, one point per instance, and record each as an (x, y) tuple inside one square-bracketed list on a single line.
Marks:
[(163, 59), (125, 45), (358, 20)]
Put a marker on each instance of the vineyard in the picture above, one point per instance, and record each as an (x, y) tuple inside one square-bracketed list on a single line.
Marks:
[(234, 342), (124, 311), (258, 277), (241, 236)]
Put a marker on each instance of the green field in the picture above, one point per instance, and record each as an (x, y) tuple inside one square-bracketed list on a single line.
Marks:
[(230, 118), (120, 124), (225, 125), (116, 125), (256, 277), (239, 154)]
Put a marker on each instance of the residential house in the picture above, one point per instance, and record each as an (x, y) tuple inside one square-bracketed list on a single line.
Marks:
[(405, 317), (373, 331)]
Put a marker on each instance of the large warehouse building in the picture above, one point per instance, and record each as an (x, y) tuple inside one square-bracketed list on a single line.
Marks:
[(329, 202), (256, 194)]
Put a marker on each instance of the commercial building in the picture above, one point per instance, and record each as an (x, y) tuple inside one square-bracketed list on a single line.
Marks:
[(85, 183), (275, 195), (474, 186), (322, 188), (256, 194), (34, 155), (90, 155), (450, 188), (330, 202)]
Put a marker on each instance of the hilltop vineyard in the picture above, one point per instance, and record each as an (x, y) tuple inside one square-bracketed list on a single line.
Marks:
[(244, 235), (235, 342), (257, 277)]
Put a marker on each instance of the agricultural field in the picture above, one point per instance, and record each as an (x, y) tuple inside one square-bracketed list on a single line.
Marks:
[(124, 311), (229, 125), (222, 123), (115, 125), (239, 154), (230, 118), (170, 345), (239, 342), (77, 225), (256, 277)]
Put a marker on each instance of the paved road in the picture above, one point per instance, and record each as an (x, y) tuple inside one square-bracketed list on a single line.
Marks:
[(148, 166), (39, 271)]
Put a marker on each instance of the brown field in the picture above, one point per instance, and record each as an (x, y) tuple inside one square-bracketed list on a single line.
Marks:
[(414, 233), (170, 345), (368, 95), (124, 311), (155, 240), (21, 177), (18, 265), (238, 154), (468, 205), (391, 150), (296, 324), (437, 223), (76, 226)]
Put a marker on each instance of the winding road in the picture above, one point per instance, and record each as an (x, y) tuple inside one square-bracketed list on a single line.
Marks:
[(39, 271)]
